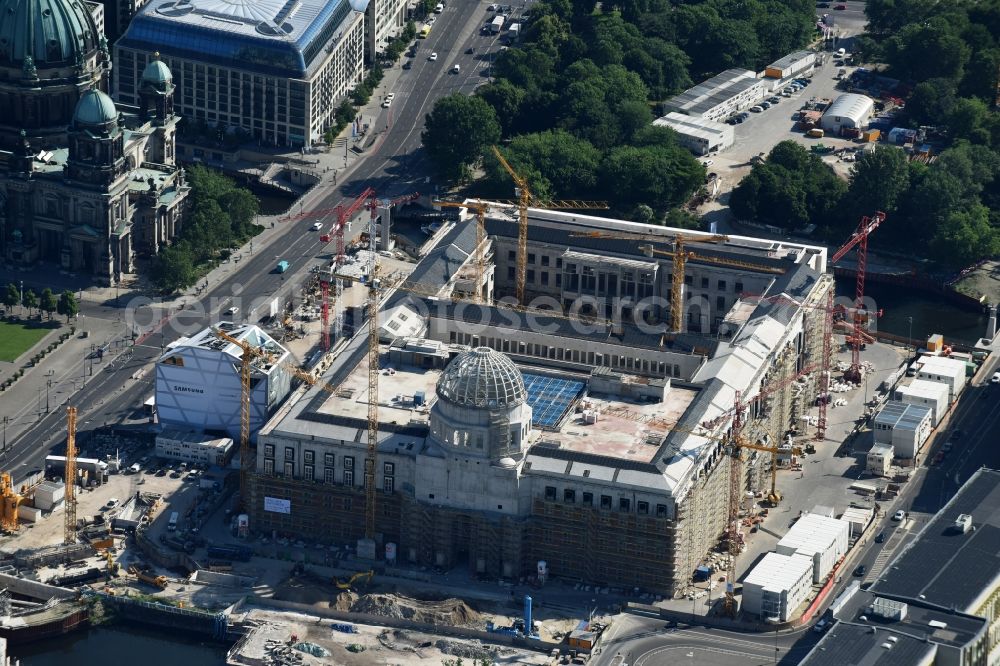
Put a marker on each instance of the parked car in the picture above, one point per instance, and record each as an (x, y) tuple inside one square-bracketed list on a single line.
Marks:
[(765, 105), (432, 57), (995, 379), (756, 109), (408, 64), (840, 6), (708, 163), (386, 103), (860, 570), (946, 447), (456, 69), (391, 96), (112, 503), (233, 310), (899, 515)]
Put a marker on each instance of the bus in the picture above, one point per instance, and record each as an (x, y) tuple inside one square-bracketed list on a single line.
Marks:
[(172, 524), (426, 30)]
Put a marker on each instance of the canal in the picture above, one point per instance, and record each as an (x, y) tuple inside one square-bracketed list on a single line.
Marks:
[(121, 645), (931, 313)]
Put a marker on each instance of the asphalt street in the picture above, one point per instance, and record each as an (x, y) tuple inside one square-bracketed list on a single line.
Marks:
[(393, 164)]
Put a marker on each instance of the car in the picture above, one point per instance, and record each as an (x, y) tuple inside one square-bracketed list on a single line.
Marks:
[(491, 8), (785, 93), (431, 20), (880, 537), (733, 121), (408, 64), (316, 226), (456, 69), (946, 447), (112, 503), (820, 626), (823, 5), (840, 7), (860, 570), (175, 475), (432, 57), (233, 310), (708, 163), (773, 100), (739, 120), (995, 379), (470, 50), (744, 115), (899, 516), (161, 472), (391, 96), (386, 103), (756, 109), (765, 105)]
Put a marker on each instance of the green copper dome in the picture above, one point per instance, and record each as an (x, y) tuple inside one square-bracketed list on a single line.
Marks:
[(45, 33), (157, 72), (94, 109)]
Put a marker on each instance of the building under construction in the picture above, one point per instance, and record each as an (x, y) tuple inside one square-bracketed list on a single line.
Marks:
[(594, 444)]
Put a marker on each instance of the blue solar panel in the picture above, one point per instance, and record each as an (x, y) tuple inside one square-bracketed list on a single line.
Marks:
[(550, 398)]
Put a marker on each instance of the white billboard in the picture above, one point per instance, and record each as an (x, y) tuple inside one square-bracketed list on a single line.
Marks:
[(275, 505)]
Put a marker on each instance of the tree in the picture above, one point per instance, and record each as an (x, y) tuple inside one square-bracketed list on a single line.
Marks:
[(12, 296), (660, 177), (931, 101), (967, 119), (67, 306), (506, 100), (173, 268), (48, 302), (458, 131), (565, 166), (966, 236), (30, 301), (879, 179)]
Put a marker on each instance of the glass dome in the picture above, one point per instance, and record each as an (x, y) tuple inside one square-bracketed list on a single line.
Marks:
[(482, 378)]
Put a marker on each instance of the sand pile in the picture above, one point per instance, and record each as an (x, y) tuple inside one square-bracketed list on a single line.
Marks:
[(454, 612)]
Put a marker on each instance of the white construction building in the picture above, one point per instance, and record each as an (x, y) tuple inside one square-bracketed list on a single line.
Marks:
[(820, 538), (850, 110), (194, 448), (777, 586), (933, 395), (698, 135), (198, 381), (948, 371), (879, 460), (903, 425), (720, 96)]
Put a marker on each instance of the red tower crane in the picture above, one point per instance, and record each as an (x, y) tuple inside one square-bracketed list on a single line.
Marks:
[(858, 239), (342, 216)]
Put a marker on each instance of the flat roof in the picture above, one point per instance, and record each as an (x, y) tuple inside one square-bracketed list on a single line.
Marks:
[(948, 568), (791, 59), (924, 388), (813, 533), (896, 414), (693, 126), (780, 572), (715, 91)]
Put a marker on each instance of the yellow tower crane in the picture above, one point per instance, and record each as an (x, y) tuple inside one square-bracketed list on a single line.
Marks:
[(680, 257), (69, 537), (479, 260), (525, 200)]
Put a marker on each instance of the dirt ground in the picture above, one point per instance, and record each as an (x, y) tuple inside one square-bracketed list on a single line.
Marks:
[(367, 645), (983, 281)]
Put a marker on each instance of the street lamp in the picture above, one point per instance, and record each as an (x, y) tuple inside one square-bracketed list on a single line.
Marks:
[(48, 385), (909, 335), (5, 434), (22, 293)]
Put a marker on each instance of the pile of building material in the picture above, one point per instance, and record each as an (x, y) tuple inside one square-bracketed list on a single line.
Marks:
[(453, 612)]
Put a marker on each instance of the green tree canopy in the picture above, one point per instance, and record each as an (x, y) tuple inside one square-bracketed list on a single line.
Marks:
[(67, 306), (458, 131), (879, 180), (173, 268), (48, 302), (12, 296), (30, 301)]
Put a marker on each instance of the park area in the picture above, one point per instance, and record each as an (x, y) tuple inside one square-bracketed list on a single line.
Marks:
[(18, 337)]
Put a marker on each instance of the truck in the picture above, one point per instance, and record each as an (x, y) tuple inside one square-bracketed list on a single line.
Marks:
[(497, 24), (172, 523), (148, 578)]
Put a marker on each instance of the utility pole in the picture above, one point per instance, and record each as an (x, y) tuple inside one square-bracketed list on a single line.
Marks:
[(5, 434), (48, 385)]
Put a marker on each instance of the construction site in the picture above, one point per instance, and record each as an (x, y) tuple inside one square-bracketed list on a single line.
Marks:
[(566, 384)]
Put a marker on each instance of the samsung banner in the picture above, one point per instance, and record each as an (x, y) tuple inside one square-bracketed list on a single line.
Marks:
[(275, 505)]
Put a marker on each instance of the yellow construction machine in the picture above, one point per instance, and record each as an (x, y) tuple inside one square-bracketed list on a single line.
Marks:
[(367, 575)]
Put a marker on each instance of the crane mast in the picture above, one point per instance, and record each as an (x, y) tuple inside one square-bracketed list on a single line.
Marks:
[(69, 537)]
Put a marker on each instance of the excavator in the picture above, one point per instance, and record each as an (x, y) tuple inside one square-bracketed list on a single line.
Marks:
[(367, 575)]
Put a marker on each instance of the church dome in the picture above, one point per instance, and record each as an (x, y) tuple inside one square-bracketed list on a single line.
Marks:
[(95, 109), (157, 72), (52, 33), (482, 378)]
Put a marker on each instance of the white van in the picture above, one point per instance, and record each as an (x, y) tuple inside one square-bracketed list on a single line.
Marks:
[(840, 52), (172, 523), (134, 469), (440, 8)]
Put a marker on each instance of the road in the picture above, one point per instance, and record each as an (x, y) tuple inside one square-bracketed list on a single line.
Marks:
[(394, 164)]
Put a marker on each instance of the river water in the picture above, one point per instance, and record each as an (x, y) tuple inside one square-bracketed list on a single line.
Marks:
[(931, 313), (121, 645)]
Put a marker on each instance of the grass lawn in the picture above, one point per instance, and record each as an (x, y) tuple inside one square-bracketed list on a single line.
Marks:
[(15, 339)]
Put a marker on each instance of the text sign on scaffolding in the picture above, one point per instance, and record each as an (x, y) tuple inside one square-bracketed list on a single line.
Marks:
[(275, 505)]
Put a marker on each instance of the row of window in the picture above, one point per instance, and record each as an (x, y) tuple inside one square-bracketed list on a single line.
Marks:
[(591, 358), (569, 496), (329, 458)]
